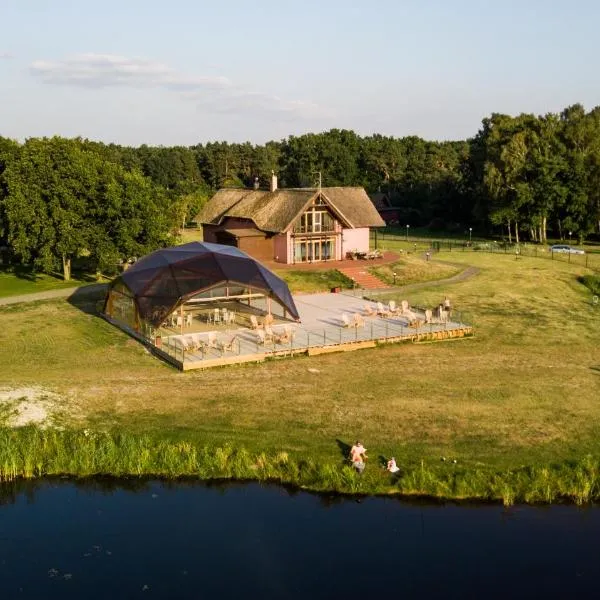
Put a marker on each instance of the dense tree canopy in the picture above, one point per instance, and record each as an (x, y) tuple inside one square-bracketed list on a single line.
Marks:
[(526, 176), (62, 200)]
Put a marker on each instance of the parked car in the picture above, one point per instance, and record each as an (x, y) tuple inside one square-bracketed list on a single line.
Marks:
[(564, 249)]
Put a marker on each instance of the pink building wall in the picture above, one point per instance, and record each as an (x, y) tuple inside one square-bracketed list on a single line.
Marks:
[(355, 239), (351, 239)]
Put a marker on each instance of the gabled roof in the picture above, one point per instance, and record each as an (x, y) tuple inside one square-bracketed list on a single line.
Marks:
[(381, 200), (276, 211)]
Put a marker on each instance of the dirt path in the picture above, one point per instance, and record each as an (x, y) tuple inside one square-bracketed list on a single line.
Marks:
[(52, 294)]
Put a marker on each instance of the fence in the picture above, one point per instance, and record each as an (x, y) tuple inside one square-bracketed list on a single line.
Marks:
[(590, 260)]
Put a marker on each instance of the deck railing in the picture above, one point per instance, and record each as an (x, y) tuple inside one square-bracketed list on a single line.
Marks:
[(375, 329)]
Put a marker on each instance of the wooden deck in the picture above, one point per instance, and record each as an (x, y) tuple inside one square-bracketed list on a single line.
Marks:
[(321, 331)]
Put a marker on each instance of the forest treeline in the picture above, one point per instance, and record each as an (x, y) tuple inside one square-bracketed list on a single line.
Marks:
[(526, 177)]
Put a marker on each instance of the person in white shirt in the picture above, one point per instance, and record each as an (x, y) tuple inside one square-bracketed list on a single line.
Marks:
[(358, 455), (392, 467)]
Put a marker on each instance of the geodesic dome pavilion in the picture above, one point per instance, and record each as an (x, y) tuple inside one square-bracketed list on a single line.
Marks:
[(159, 283)]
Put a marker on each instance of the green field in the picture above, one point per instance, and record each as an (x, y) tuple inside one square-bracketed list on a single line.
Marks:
[(521, 395), (24, 281)]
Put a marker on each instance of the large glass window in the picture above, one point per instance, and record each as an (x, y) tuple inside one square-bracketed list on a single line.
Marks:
[(308, 250), (314, 221)]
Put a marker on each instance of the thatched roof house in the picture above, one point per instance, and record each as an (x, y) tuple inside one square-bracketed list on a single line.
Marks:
[(385, 207), (291, 225)]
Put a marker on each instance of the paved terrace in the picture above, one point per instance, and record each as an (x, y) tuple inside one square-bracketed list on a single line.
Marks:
[(321, 330)]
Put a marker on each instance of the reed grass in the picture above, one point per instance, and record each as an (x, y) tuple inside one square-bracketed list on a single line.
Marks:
[(592, 282), (30, 452)]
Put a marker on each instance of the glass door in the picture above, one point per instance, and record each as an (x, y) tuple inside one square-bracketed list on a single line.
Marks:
[(316, 250)]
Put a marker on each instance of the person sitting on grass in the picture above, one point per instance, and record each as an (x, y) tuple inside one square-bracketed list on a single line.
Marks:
[(358, 455), (392, 467)]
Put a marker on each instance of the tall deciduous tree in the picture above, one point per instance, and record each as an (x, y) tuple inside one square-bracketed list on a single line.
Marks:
[(63, 200), (45, 204)]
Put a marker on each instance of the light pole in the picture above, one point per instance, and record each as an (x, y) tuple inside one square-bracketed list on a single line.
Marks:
[(470, 233), (570, 237), (394, 279), (407, 228)]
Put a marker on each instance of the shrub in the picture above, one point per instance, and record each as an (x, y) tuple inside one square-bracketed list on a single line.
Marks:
[(592, 282)]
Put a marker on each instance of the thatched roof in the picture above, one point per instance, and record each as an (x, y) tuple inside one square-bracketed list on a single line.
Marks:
[(355, 205), (276, 211), (381, 200), (244, 233)]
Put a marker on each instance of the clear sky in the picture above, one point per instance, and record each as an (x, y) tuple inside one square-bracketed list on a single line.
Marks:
[(188, 71)]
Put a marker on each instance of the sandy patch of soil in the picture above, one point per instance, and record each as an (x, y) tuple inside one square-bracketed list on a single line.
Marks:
[(29, 406)]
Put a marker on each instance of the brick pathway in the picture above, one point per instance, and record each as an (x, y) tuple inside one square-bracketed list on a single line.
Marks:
[(360, 274)]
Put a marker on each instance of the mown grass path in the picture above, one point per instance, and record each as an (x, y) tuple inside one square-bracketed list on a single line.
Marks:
[(465, 274), (52, 294)]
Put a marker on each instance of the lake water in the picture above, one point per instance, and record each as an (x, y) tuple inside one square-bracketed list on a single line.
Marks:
[(103, 539)]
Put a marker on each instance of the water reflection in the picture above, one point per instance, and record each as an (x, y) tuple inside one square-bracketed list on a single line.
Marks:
[(107, 538)]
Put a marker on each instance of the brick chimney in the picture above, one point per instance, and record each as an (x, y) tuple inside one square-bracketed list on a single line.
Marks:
[(273, 181)]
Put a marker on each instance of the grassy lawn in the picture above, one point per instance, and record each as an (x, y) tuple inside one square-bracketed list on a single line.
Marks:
[(524, 391), (314, 281), (15, 283), (411, 268), (190, 234)]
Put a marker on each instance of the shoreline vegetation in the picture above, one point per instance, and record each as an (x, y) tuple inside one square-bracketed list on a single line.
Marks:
[(33, 453)]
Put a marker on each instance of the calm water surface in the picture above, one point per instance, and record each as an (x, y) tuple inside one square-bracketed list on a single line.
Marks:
[(103, 540)]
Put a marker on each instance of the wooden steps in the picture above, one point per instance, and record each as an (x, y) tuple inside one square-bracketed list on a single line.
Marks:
[(362, 277)]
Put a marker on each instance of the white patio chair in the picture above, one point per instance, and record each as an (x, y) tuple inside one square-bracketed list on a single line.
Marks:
[(254, 322), (346, 320), (357, 320), (189, 340), (188, 320), (228, 345), (382, 311), (261, 336), (216, 316), (404, 306), (369, 310), (180, 321), (285, 337), (410, 316), (212, 340), (269, 333), (428, 316), (179, 341), (393, 308), (199, 343)]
